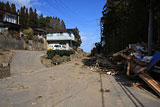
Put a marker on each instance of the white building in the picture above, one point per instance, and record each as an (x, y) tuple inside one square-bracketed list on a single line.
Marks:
[(62, 39)]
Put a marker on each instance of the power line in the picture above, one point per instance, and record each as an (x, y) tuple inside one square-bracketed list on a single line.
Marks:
[(54, 5), (58, 7), (70, 12)]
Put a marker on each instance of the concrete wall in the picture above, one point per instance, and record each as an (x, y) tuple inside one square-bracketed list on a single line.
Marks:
[(11, 43), (8, 42)]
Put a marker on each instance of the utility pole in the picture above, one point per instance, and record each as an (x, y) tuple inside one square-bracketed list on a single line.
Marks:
[(150, 29)]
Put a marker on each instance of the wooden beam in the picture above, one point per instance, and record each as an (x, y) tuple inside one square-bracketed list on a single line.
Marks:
[(151, 82), (128, 68), (125, 56)]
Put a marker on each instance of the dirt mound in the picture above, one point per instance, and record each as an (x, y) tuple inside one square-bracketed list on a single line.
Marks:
[(5, 60)]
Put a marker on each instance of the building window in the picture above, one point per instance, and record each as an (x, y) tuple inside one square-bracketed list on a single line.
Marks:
[(69, 33), (60, 34), (10, 18)]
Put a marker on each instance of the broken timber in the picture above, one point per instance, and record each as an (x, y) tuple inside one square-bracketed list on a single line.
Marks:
[(151, 82), (145, 77)]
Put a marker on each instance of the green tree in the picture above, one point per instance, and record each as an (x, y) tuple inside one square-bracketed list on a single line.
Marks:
[(124, 22), (35, 18), (7, 7), (2, 6), (42, 22), (30, 18), (13, 8), (63, 26), (22, 15), (26, 17)]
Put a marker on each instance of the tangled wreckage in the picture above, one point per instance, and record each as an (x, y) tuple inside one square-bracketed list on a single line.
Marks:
[(139, 64)]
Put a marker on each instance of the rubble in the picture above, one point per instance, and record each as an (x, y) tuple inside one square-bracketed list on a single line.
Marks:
[(134, 62), (113, 72), (141, 65)]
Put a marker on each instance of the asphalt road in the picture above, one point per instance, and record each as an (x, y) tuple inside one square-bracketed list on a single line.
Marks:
[(67, 85)]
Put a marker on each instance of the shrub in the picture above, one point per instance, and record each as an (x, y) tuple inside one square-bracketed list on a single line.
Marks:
[(29, 33), (52, 53)]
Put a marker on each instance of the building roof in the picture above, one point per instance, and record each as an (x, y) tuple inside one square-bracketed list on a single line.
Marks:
[(75, 31), (4, 11), (57, 30), (4, 24), (38, 30)]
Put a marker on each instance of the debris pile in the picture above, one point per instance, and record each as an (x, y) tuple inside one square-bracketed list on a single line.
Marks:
[(102, 64), (138, 63)]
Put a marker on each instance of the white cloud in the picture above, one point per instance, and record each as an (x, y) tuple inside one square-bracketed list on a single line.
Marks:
[(35, 3), (26, 3), (20, 3), (85, 33), (84, 38), (39, 12), (88, 40)]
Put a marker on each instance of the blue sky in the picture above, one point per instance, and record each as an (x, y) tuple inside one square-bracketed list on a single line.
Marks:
[(84, 14)]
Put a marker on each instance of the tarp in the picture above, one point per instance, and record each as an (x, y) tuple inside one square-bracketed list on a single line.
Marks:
[(156, 58)]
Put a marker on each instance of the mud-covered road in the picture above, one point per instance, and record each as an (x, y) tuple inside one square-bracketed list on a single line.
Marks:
[(70, 84)]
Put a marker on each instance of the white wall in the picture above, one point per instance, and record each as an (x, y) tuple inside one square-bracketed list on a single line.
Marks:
[(60, 36)]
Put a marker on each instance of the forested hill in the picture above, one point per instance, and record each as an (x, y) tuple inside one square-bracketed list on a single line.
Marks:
[(30, 18), (126, 21)]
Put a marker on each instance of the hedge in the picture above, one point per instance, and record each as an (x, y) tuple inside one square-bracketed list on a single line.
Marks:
[(52, 53)]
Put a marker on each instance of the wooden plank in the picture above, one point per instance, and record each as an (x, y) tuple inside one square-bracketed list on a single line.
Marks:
[(125, 56), (151, 82), (128, 68), (119, 53)]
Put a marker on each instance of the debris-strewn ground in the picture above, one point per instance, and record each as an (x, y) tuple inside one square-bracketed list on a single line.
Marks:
[(5, 60), (71, 84)]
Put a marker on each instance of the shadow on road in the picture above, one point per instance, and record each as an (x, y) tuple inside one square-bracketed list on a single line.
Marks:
[(124, 83), (122, 80)]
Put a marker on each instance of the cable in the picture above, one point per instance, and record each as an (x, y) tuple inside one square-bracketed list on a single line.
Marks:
[(69, 16), (59, 9), (70, 12)]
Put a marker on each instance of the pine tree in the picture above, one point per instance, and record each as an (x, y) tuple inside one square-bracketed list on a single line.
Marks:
[(41, 22), (26, 17), (22, 15), (13, 8), (30, 17), (2, 6), (35, 18), (7, 7), (63, 25)]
